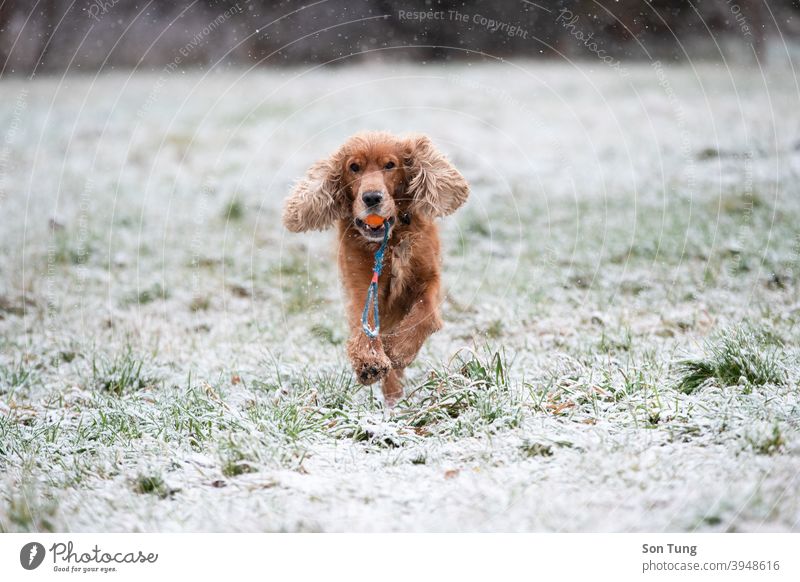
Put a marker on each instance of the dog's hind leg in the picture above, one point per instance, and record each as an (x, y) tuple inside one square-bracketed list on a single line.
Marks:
[(392, 387)]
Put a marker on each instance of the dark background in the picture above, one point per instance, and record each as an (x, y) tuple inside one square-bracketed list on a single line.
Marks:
[(52, 36)]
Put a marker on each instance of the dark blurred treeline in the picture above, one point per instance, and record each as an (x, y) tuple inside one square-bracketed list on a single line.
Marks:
[(51, 36)]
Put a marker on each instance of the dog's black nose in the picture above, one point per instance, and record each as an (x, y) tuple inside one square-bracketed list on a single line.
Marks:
[(372, 198)]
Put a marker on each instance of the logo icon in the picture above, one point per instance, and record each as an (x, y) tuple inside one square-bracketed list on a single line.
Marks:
[(31, 555)]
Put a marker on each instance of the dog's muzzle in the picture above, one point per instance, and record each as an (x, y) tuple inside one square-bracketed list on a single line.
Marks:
[(373, 233)]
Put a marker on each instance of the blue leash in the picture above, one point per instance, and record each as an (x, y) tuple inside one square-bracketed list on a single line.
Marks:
[(372, 292)]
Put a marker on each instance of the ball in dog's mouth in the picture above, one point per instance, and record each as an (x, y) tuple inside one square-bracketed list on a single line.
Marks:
[(373, 226)]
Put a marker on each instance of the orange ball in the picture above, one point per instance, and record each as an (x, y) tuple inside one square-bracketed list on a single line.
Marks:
[(374, 220)]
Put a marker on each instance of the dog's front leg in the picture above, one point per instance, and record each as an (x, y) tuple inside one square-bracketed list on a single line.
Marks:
[(404, 341), (367, 356)]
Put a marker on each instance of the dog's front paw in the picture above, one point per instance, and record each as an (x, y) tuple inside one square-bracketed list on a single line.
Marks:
[(369, 361), (372, 368)]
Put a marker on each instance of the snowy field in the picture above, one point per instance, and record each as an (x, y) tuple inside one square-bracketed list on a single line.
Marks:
[(620, 345)]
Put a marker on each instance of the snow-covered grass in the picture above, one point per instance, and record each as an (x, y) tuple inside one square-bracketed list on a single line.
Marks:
[(620, 350)]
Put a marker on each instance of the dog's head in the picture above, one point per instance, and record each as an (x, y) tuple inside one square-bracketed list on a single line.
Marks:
[(376, 173)]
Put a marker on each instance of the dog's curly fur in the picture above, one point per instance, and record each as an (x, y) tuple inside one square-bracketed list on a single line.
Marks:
[(417, 184)]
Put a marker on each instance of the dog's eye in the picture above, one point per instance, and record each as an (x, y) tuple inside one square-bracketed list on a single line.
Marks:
[(354, 167), (389, 166)]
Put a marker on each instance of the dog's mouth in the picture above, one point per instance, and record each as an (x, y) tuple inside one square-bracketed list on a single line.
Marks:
[(374, 233)]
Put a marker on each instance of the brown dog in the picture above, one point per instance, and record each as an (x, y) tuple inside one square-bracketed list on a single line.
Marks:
[(408, 183)]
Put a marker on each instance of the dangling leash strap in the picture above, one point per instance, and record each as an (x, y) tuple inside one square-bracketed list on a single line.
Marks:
[(372, 292)]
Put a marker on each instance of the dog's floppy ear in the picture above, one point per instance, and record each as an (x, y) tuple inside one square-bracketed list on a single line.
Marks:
[(436, 187), (317, 200)]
